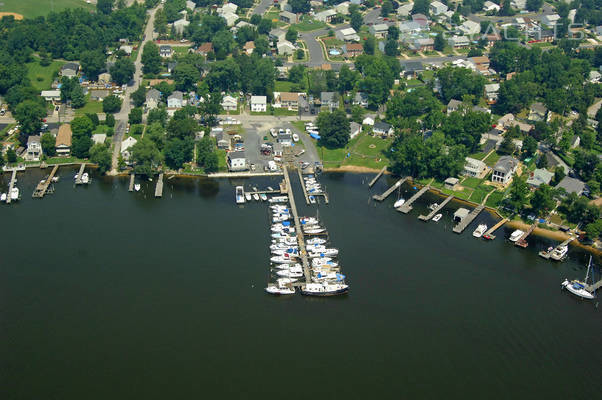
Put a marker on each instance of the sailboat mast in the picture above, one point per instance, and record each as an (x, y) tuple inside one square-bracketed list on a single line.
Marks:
[(588, 267)]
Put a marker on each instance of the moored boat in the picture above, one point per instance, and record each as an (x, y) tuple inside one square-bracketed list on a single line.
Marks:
[(240, 195), (479, 231), (137, 187), (559, 253), (324, 289), (280, 290), (514, 236), (248, 196), (437, 217), (579, 288), (263, 196), (399, 203)]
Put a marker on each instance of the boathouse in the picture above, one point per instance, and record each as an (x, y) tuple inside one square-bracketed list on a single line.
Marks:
[(460, 214)]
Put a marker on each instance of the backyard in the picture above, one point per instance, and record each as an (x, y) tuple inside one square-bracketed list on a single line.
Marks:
[(36, 8), (41, 77)]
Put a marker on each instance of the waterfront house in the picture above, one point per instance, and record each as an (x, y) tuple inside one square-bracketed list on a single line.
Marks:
[(288, 17), (504, 169), (572, 185), (382, 129), (475, 168), (175, 100), (236, 161), (354, 129), (539, 177), (329, 100), (165, 51), (347, 35), (223, 141), (259, 103), (153, 98), (353, 49), (63, 140), (229, 103), (326, 15), (126, 146), (70, 69), (34, 148), (380, 31)]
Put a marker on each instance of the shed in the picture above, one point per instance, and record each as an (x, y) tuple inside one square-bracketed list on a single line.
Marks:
[(460, 214), (451, 182)]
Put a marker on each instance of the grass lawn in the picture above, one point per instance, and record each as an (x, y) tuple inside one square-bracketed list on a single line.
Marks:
[(283, 86), (494, 199), (308, 24), (35, 8), (471, 182), (221, 156), (332, 42), (63, 160), (90, 107), (492, 159), (179, 50), (41, 77), (284, 111)]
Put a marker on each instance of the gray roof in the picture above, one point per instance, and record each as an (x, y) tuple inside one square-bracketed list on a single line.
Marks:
[(177, 95), (236, 154), (327, 97), (539, 108), (381, 126), (153, 94), (413, 66), (506, 164), (461, 213), (539, 177), (164, 47), (33, 139), (453, 103), (70, 65), (571, 185), (360, 96)]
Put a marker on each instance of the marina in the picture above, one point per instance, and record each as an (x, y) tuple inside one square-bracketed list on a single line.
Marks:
[(312, 189), (436, 210), (407, 206)]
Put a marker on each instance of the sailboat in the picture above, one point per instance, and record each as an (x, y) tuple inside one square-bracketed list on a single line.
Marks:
[(578, 288)]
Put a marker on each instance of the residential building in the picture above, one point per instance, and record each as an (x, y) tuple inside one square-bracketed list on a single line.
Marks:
[(453, 106), (171, 66), (409, 27), (51, 95), (153, 98), (205, 49), (190, 5), (360, 99), (451, 183), (458, 42), (421, 19), (249, 47), (230, 18), (180, 25), (411, 69), (259, 103), (98, 95), (34, 148), (286, 48), (329, 100), (480, 61), (519, 4), (63, 140), (470, 28), (229, 103), (342, 8), (126, 147), (368, 121), (474, 167), (382, 129), (572, 185), (99, 138), (353, 49), (490, 6), (491, 92), (236, 161), (354, 129), (165, 50), (288, 17), (422, 44), (538, 112), (70, 69), (437, 8), (277, 34), (223, 141), (405, 10), (540, 176), (127, 49), (104, 78), (504, 169), (288, 100), (550, 20), (492, 39), (175, 100), (326, 15), (379, 31), (347, 35)]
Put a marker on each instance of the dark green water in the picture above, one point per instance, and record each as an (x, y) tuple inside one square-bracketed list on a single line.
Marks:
[(106, 294)]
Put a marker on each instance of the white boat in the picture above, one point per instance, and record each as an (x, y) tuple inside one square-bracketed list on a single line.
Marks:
[(324, 289), (255, 197), (314, 231), (315, 241), (263, 197), (559, 253), (516, 235), (85, 178), (437, 217), (295, 137), (325, 261), (324, 253), (76, 176), (479, 231), (280, 290), (3, 197), (14, 194), (312, 199), (578, 287), (285, 281), (240, 195), (295, 268), (285, 259), (137, 187), (399, 203), (287, 266), (289, 252), (289, 274), (433, 206), (248, 196), (308, 221), (55, 179), (278, 199)]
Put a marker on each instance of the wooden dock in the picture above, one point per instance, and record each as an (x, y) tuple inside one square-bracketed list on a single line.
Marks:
[(489, 234), (303, 185), (42, 188), (159, 187), (594, 287), (407, 206), (373, 181), (11, 185), (522, 242), (548, 254), (132, 178), (459, 228), (387, 193), (78, 179), (434, 212), (298, 230)]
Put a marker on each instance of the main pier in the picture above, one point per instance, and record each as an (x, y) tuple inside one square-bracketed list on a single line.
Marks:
[(159, 187), (489, 234), (373, 181), (387, 193), (42, 187), (78, 178), (459, 228), (434, 212), (11, 185), (407, 206), (522, 242)]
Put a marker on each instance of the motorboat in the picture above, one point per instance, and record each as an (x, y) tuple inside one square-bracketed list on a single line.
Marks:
[(85, 178), (559, 253), (288, 251), (289, 274), (255, 197), (578, 288), (263, 196), (325, 261), (324, 253), (324, 289), (285, 281), (479, 231), (295, 137), (287, 266), (280, 290), (308, 221), (55, 179), (280, 235), (3, 197), (433, 206), (248, 196), (137, 187), (279, 199), (284, 259), (517, 234), (315, 241), (437, 217), (271, 189), (399, 203), (14, 194), (240, 195), (312, 199), (314, 231), (295, 268)]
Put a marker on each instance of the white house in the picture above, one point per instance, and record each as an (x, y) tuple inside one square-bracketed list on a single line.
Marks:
[(99, 138), (408, 27), (180, 25), (368, 121), (490, 6), (470, 28), (285, 48), (176, 100), (458, 42), (550, 20), (259, 103), (326, 15), (153, 98), (127, 49), (228, 7), (229, 103), (191, 5), (230, 18), (491, 91), (34, 148), (383, 129), (236, 161), (380, 31), (342, 8), (165, 51), (51, 95), (347, 35), (354, 129), (437, 8), (126, 146), (405, 9), (504, 169), (474, 167)]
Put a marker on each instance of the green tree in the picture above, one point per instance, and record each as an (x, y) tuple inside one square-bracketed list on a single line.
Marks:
[(507, 146), (135, 116), (593, 230), (393, 32), (529, 146), (111, 104), (391, 48), (82, 126), (299, 6), (11, 156), (296, 73), (386, 8), (421, 6), (356, 21), (334, 129), (100, 155), (185, 76), (78, 100), (48, 142), (558, 175), (139, 96), (506, 10), (146, 157), (151, 59), (542, 200), (104, 6), (439, 42), (519, 191), (291, 34), (156, 133), (370, 45), (211, 107), (93, 63), (534, 5), (158, 114), (110, 120), (177, 152), (29, 115), (123, 71), (458, 82)]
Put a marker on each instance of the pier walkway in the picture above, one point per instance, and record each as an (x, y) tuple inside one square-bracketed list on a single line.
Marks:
[(594, 287), (407, 206), (78, 180), (42, 187), (434, 212), (242, 174), (387, 193), (548, 254), (489, 234), (159, 187), (298, 230), (302, 182), (459, 228), (131, 187), (11, 185), (373, 181), (522, 242)]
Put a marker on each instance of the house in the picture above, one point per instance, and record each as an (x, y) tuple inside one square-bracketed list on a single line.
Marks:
[(519, 4), (379, 31), (51, 95), (153, 98), (236, 161), (127, 49), (228, 7), (229, 103), (451, 183), (286, 48), (504, 169), (575, 141), (98, 95), (368, 121), (99, 138), (490, 6), (594, 76), (421, 19), (104, 78), (492, 39), (126, 146), (572, 185), (492, 139), (411, 69), (205, 49), (382, 129), (354, 129), (288, 17), (223, 141), (550, 20), (409, 27), (70, 69), (63, 140), (347, 35), (405, 10), (458, 42), (165, 50), (190, 5), (538, 112), (422, 44), (259, 103), (539, 176), (342, 8), (480, 61), (277, 34), (437, 8), (180, 25), (470, 28), (230, 18), (175, 100), (491, 92), (34, 148), (353, 49), (474, 167), (289, 100), (329, 100), (249, 47), (171, 66), (453, 106), (360, 99), (326, 15)]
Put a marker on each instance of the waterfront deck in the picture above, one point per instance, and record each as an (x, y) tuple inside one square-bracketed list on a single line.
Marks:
[(434, 212), (243, 174), (42, 188), (11, 185), (159, 187), (548, 254), (377, 177), (387, 193), (522, 242), (131, 187), (78, 179), (407, 206), (489, 234), (460, 226), (592, 288)]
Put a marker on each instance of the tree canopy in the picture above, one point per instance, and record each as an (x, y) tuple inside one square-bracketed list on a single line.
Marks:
[(334, 129)]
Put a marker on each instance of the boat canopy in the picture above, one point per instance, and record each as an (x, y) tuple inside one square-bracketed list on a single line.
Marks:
[(315, 136)]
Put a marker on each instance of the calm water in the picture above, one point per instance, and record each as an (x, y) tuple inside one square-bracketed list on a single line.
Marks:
[(109, 294)]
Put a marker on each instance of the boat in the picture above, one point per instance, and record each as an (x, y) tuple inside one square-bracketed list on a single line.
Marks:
[(437, 217), (312, 199), (263, 197), (324, 289), (324, 253), (479, 231), (308, 221), (278, 199), (287, 266), (255, 197), (559, 253), (284, 259), (399, 203), (14, 194), (517, 234), (285, 281), (314, 231), (76, 176), (248, 196), (433, 206), (85, 178), (137, 187), (578, 287), (3, 197), (280, 290), (240, 195), (315, 241), (288, 251), (55, 179), (289, 274), (271, 189), (296, 268)]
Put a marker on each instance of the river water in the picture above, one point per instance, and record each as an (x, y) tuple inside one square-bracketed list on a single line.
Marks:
[(110, 294)]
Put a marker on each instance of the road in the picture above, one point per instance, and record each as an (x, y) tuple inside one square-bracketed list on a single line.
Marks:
[(121, 118), (263, 6)]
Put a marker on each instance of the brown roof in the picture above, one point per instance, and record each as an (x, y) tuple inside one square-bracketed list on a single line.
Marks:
[(289, 96), (154, 82), (249, 45), (205, 47), (354, 47), (481, 60), (63, 138), (326, 67)]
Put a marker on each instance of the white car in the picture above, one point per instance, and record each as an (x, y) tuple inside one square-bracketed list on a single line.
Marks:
[(295, 137)]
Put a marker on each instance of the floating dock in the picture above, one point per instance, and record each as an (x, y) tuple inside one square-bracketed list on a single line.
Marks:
[(159, 187), (307, 195), (131, 187), (407, 206), (387, 193), (78, 179), (459, 228), (11, 185), (548, 254), (42, 188), (489, 234), (594, 287), (522, 242), (373, 181), (434, 212)]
